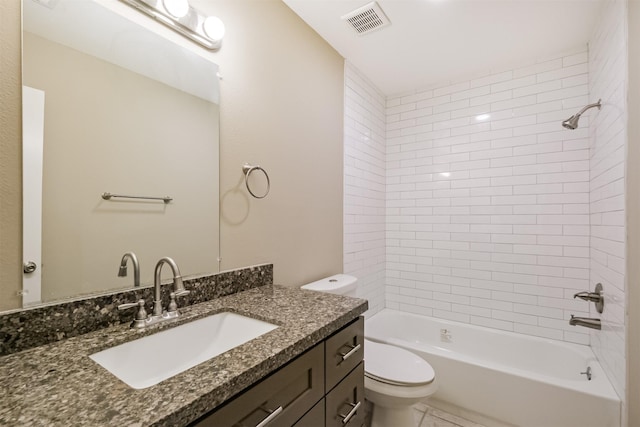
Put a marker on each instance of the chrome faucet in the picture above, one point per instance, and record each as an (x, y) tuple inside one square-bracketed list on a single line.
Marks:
[(136, 268), (178, 287), (586, 322), (141, 319)]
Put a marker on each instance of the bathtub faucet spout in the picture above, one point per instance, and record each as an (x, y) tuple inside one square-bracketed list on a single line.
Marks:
[(586, 322)]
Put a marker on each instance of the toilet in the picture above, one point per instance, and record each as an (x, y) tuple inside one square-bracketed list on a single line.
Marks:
[(395, 378)]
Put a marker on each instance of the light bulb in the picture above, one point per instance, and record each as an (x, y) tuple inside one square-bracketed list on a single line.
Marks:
[(176, 8), (213, 28)]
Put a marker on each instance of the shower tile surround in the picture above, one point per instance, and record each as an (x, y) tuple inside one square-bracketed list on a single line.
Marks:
[(364, 187), (488, 199), (495, 215), (608, 80), (24, 329)]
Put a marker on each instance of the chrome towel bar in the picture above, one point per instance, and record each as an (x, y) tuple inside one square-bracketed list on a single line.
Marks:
[(109, 196)]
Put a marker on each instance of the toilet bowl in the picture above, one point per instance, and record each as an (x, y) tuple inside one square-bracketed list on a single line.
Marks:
[(395, 378)]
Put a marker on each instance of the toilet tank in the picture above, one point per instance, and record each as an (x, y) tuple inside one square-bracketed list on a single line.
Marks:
[(342, 284)]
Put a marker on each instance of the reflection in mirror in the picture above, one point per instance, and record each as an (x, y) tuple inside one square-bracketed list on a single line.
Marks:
[(114, 107)]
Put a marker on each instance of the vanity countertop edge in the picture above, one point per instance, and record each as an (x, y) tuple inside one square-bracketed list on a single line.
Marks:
[(58, 384)]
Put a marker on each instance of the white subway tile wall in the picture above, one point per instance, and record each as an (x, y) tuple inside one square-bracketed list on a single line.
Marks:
[(488, 200), (608, 140), (364, 187)]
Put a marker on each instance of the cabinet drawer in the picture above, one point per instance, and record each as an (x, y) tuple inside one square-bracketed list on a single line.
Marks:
[(313, 418), (346, 401), (344, 351), (284, 396)]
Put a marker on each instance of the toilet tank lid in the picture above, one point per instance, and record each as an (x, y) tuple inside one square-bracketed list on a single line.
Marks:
[(336, 284)]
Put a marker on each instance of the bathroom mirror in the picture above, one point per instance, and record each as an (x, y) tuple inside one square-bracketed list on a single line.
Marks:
[(114, 106)]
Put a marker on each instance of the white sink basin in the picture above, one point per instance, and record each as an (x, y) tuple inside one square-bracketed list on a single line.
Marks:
[(154, 358)]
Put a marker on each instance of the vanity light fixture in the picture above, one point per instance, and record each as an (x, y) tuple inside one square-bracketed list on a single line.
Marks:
[(176, 8), (214, 28), (181, 17)]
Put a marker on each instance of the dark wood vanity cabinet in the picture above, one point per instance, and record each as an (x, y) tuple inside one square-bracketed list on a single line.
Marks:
[(321, 387), (346, 401), (282, 397)]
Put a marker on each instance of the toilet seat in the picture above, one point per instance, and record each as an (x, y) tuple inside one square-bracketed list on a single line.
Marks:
[(396, 366)]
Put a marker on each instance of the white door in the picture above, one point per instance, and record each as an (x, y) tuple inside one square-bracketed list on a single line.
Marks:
[(32, 151)]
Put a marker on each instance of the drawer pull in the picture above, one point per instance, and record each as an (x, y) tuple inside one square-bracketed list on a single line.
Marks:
[(352, 412), (271, 416), (345, 356)]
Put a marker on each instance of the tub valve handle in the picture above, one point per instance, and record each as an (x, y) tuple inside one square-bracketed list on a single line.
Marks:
[(587, 373), (588, 296), (595, 297)]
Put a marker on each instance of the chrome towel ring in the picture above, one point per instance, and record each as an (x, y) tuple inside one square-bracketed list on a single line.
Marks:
[(248, 169)]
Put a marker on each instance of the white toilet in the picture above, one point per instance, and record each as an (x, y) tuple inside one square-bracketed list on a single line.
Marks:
[(395, 378)]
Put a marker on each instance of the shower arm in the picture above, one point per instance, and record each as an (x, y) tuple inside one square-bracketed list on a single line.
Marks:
[(597, 104)]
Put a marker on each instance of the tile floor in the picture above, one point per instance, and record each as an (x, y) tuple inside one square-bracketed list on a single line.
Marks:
[(427, 416)]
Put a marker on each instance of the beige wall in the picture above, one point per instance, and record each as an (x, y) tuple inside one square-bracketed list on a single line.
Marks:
[(633, 220), (10, 156), (111, 129), (282, 108)]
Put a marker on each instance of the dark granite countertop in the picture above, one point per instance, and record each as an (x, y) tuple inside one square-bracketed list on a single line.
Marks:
[(59, 385)]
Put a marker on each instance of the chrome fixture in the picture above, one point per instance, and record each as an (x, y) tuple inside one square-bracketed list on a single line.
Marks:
[(354, 409), (29, 267), (140, 320), (572, 122), (595, 297), (445, 335), (586, 322), (587, 373), (178, 15), (178, 288), (353, 349), (109, 196), (248, 169), (122, 272)]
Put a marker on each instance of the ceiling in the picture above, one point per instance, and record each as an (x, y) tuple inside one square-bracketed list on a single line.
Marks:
[(439, 41)]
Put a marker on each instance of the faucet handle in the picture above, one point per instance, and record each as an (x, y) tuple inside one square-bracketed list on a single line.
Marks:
[(173, 306), (588, 296), (595, 297), (141, 314), (182, 293)]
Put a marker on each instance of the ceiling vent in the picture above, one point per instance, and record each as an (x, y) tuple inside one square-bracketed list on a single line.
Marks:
[(366, 19)]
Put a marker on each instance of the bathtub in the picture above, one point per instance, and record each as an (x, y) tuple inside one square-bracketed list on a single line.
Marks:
[(501, 378)]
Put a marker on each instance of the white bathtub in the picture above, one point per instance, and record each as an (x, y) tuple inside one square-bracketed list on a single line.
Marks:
[(502, 378)]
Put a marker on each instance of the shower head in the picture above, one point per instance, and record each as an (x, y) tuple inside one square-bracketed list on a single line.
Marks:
[(572, 122)]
